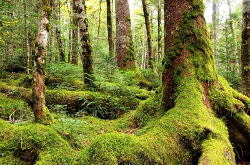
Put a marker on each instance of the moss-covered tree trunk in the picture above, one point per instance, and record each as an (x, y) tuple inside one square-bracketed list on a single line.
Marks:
[(149, 37), (40, 53), (189, 56), (245, 56), (74, 51), (125, 54), (87, 61)]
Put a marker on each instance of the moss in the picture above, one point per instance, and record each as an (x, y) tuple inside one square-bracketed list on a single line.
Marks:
[(123, 91), (224, 97), (17, 109), (98, 104), (33, 142), (148, 110)]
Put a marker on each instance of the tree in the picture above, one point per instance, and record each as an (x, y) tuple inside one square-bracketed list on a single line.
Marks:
[(159, 4), (39, 107), (110, 29), (124, 43), (245, 56), (74, 52), (87, 61), (189, 71), (57, 6), (149, 38)]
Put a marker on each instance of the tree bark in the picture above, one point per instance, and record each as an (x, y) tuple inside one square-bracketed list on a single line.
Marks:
[(39, 107), (110, 29), (159, 30), (245, 56), (27, 45), (87, 61), (74, 52), (125, 54), (149, 38)]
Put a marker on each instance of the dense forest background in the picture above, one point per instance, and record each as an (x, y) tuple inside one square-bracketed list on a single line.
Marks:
[(19, 21)]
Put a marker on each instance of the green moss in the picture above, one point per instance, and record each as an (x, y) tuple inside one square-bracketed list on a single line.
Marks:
[(97, 104), (19, 109), (224, 97), (33, 142)]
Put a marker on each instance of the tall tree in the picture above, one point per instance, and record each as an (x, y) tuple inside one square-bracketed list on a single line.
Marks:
[(245, 56), (58, 31), (39, 107), (159, 29), (87, 61), (27, 45), (110, 29), (190, 79), (148, 29), (125, 54), (74, 53)]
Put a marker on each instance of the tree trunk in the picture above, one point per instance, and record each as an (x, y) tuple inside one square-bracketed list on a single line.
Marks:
[(87, 61), (245, 56), (149, 38), (159, 30), (215, 22), (99, 19), (74, 53), (27, 47), (39, 107), (110, 29), (125, 54), (58, 32)]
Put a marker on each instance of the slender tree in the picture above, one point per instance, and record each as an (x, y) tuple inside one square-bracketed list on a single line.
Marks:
[(245, 56), (58, 31), (148, 29), (159, 29), (39, 107), (215, 25), (110, 29), (27, 45), (125, 54), (74, 53), (87, 61)]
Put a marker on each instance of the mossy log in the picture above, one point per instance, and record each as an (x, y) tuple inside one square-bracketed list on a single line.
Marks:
[(102, 105)]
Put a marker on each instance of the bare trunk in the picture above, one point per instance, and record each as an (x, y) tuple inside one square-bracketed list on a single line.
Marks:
[(149, 38), (39, 107), (125, 54), (245, 56), (74, 53), (110, 30), (87, 61)]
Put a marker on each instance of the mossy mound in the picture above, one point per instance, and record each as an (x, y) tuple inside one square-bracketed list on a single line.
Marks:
[(13, 109), (33, 143)]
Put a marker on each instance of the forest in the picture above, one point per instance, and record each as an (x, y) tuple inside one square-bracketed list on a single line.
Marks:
[(124, 82)]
